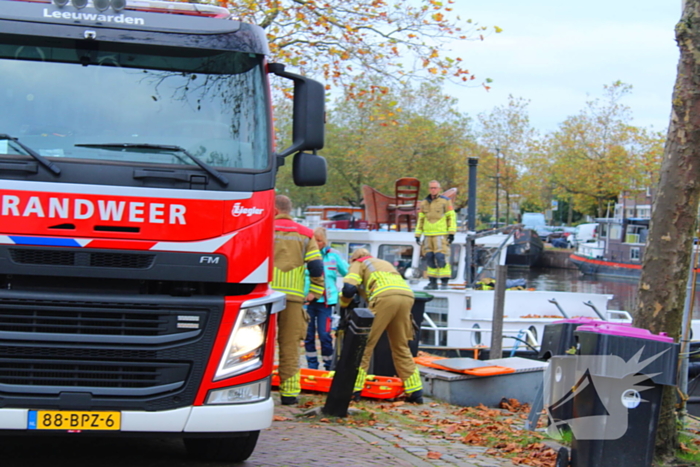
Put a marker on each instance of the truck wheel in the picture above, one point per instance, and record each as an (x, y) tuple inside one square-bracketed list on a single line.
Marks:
[(231, 449)]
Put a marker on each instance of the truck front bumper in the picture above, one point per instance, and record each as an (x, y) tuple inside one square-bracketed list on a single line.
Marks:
[(204, 419)]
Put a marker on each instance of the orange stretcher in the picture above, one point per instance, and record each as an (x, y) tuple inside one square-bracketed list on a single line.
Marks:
[(486, 370), (376, 387)]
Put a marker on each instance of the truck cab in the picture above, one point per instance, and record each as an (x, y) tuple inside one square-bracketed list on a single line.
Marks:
[(137, 175)]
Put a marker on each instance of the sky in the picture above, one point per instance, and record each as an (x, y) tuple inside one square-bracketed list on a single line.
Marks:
[(558, 54)]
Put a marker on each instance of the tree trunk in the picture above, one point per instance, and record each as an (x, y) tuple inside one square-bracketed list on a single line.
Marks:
[(662, 285)]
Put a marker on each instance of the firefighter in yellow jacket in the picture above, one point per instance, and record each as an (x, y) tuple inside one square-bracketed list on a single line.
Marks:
[(390, 300), (295, 251), (437, 223)]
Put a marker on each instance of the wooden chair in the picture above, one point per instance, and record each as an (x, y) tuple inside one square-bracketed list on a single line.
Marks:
[(377, 210), (406, 191)]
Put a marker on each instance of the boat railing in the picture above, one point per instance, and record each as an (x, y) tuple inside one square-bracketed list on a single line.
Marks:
[(528, 335), (593, 250), (590, 304), (561, 310)]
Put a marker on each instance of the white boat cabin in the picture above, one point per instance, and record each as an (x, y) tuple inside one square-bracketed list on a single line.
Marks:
[(460, 317)]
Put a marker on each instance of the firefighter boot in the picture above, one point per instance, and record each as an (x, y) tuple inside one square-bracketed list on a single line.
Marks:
[(289, 400), (443, 285), (415, 397), (432, 285)]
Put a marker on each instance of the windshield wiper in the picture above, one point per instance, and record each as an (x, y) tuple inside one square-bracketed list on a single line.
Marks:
[(39, 158), (162, 147)]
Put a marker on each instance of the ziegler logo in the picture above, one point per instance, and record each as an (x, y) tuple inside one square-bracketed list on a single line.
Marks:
[(239, 210)]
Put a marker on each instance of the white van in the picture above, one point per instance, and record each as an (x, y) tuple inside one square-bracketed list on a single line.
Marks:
[(585, 233), (537, 222)]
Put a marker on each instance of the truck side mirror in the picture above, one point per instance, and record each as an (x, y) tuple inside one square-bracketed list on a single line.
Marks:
[(308, 129), (309, 170)]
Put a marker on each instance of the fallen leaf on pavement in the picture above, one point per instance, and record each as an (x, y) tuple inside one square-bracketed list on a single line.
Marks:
[(434, 455), (449, 429)]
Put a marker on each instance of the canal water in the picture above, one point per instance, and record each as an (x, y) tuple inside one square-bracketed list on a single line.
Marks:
[(624, 291)]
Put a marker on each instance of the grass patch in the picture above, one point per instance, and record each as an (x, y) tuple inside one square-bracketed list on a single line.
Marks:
[(689, 450)]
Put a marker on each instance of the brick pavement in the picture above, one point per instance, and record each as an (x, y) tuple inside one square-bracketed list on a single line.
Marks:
[(295, 442)]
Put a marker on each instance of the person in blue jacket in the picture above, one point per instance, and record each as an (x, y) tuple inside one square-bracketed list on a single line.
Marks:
[(320, 310)]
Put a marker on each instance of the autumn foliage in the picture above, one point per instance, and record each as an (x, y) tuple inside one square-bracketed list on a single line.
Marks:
[(337, 40)]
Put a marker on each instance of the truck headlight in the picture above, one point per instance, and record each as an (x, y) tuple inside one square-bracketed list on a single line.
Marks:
[(244, 350)]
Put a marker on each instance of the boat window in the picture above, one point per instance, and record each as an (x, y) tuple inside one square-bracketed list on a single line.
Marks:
[(636, 234), (400, 256), (342, 248), (476, 335), (357, 246), (615, 232), (603, 230), (635, 255)]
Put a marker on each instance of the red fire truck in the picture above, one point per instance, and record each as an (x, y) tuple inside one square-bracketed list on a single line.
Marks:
[(137, 174)]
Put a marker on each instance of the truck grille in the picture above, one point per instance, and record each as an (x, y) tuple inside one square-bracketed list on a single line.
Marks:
[(78, 258), (85, 374), (143, 352), (48, 257), (98, 318), (70, 322)]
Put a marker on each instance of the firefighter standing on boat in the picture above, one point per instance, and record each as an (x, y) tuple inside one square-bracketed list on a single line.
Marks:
[(390, 300), (437, 223), (295, 251)]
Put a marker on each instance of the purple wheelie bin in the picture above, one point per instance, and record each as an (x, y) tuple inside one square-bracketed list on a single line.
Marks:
[(616, 380)]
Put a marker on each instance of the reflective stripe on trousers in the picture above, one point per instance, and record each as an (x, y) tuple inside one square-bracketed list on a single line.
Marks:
[(360, 380), (440, 272), (413, 383), (291, 387)]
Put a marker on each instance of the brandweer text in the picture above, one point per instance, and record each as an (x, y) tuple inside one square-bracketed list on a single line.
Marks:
[(82, 209)]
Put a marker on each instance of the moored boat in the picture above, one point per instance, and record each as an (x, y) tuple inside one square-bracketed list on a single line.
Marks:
[(616, 251), (460, 317), (526, 250)]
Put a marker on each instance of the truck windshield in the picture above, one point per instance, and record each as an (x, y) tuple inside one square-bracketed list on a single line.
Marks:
[(67, 101)]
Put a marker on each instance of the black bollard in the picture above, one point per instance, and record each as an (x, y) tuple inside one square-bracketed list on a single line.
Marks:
[(356, 334)]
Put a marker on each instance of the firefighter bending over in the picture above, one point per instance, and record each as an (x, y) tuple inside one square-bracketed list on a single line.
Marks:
[(390, 300), (295, 251), (437, 223)]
